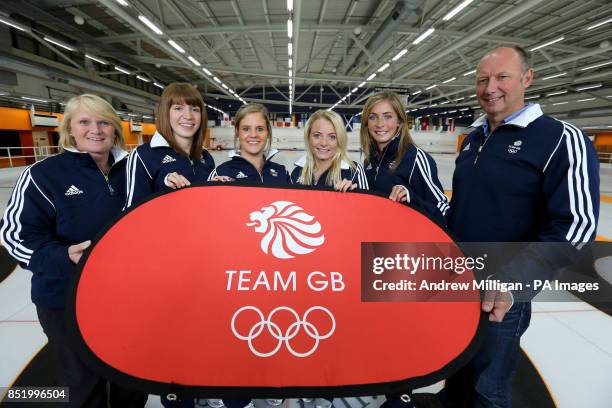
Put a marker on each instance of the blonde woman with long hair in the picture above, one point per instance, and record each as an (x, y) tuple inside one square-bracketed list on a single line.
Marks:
[(326, 162)]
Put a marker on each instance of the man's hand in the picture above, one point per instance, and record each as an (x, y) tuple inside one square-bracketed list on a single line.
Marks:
[(75, 252), (497, 304)]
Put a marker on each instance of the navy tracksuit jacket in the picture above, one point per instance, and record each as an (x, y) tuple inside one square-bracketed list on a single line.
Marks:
[(57, 202), (242, 171), (534, 179), (150, 163), (417, 172)]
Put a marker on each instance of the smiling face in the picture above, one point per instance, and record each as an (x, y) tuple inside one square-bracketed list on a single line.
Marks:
[(253, 135), (382, 123), (185, 120), (323, 140), (501, 83), (91, 133)]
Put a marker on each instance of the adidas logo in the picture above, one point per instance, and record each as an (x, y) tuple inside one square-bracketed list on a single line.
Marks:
[(73, 191), (467, 147), (168, 159), (241, 175)]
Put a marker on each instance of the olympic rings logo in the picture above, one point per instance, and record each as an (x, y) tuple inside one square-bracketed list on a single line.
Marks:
[(286, 336)]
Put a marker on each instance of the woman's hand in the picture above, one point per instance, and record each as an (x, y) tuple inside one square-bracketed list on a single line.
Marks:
[(223, 179), (399, 194), (75, 252), (345, 185), (175, 181)]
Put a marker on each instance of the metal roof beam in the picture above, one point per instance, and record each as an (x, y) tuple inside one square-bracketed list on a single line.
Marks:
[(267, 16), (27, 63), (277, 101), (284, 95), (313, 26), (472, 36), (305, 76), (54, 49), (187, 23), (213, 19), (297, 21), (323, 49), (236, 8), (315, 36), (304, 93), (120, 12), (590, 53), (92, 44)]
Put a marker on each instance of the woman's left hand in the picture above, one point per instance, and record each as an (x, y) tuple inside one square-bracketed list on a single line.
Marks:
[(345, 185), (222, 179), (175, 180), (398, 194)]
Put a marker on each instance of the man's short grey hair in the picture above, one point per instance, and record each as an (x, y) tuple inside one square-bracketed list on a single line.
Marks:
[(523, 54)]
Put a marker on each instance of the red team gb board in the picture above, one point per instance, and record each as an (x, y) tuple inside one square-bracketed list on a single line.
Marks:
[(227, 291)]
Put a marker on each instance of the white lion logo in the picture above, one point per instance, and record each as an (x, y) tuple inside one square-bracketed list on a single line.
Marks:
[(287, 229)]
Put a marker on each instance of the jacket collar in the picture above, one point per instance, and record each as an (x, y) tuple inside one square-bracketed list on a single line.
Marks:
[(529, 113), (301, 162), (389, 150), (117, 152), (158, 141), (267, 156)]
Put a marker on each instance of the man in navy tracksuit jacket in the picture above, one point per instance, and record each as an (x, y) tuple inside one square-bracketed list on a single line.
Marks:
[(520, 176), (416, 172), (242, 171), (534, 179), (150, 163)]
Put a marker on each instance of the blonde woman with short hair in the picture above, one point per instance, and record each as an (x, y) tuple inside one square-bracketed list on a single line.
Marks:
[(58, 205)]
